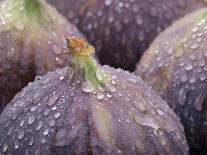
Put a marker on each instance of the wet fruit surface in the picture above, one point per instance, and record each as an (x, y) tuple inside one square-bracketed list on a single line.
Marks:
[(101, 110), (32, 42), (176, 66), (122, 30)]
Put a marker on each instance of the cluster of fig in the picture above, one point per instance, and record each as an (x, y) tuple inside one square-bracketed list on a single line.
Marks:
[(56, 99), (117, 27), (175, 65)]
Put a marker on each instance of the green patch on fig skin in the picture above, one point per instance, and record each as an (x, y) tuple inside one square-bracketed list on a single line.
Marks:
[(103, 122)]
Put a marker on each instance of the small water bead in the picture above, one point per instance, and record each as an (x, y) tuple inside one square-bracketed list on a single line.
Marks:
[(39, 126), (194, 46), (61, 77), (57, 115), (31, 141), (43, 140), (192, 56), (20, 134), (54, 108), (203, 77), (160, 112), (16, 144), (100, 95), (184, 78), (19, 25), (52, 100), (10, 131), (87, 87), (45, 132), (108, 95), (192, 79), (189, 67), (52, 123), (107, 2), (202, 63), (33, 108), (179, 53), (31, 119), (113, 89), (21, 123), (46, 112), (5, 147)]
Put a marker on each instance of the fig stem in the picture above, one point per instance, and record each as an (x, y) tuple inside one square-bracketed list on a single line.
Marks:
[(32, 8), (82, 59)]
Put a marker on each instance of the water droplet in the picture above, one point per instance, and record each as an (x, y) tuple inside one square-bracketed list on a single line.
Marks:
[(33, 108), (31, 119), (20, 134), (163, 141), (107, 2), (39, 125), (46, 112), (5, 147), (10, 131), (99, 75), (179, 53), (194, 46), (52, 100), (113, 89), (184, 78), (21, 123), (43, 140), (16, 144), (100, 96), (61, 77), (52, 123), (189, 67), (203, 77), (31, 141), (19, 26), (108, 95), (57, 115), (87, 87), (192, 56), (45, 132), (160, 112), (182, 96), (192, 79), (10, 54)]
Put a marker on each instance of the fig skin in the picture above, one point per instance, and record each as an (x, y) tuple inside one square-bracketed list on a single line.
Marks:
[(90, 109), (32, 42), (122, 30), (176, 66)]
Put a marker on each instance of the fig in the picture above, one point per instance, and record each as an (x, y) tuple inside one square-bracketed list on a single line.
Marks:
[(122, 30), (32, 42), (176, 66), (86, 108)]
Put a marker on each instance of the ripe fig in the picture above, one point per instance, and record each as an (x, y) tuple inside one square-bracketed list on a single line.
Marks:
[(176, 66), (89, 109), (30, 43), (122, 30)]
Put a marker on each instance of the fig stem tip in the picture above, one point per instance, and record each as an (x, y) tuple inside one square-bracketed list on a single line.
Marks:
[(79, 47)]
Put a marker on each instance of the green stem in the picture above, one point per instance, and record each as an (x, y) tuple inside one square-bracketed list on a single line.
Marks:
[(33, 8)]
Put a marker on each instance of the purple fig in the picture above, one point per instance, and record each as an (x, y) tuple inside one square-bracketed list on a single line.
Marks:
[(89, 109), (176, 66), (122, 30), (30, 43)]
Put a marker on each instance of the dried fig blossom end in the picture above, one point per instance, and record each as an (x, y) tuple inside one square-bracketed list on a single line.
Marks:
[(83, 60)]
